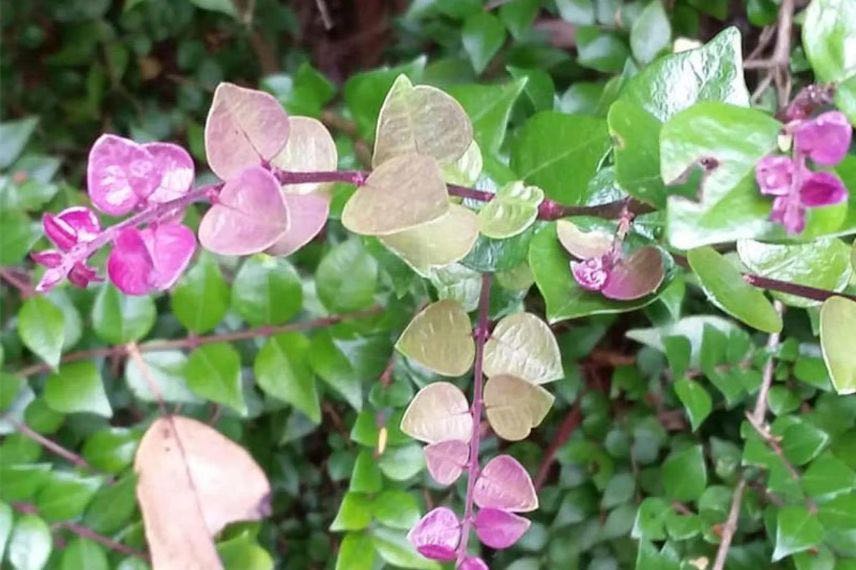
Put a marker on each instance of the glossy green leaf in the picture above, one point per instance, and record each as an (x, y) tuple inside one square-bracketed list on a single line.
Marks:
[(41, 325), (636, 133), (120, 319), (113, 506), (518, 15), (333, 366), (651, 32), (201, 298), (282, 370), (827, 36), (725, 287), (356, 552), (684, 474), (513, 209), (695, 399), (77, 387), (601, 50), (482, 35), (111, 449), (489, 108), (213, 372), (396, 509), (347, 277), (14, 136), (6, 522), (559, 153), (166, 370), (796, 530), (440, 338), (267, 291), (354, 513), (30, 544), (837, 330), (402, 463), (366, 476), (244, 553), (84, 553), (18, 235), (395, 549), (66, 495)]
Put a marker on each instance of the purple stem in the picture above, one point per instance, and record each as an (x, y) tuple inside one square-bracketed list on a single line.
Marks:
[(481, 333), (803, 291)]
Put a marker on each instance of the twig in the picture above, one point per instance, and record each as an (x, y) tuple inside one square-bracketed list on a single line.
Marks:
[(481, 334), (325, 14), (571, 422), (194, 341), (51, 445), (804, 291), (22, 285), (154, 388), (763, 430), (776, 65), (758, 414)]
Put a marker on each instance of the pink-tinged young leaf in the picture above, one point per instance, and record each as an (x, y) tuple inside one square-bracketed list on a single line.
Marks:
[(244, 128), (825, 139), (151, 259), (176, 168), (635, 276), (473, 563), (310, 148), (591, 274), (580, 244), (71, 226), (500, 529), (307, 215), (446, 460), (505, 484), (438, 412), (774, 175), (790, 213), (120, 174), (47, 258), (822, 189), (437, 535), (249, 215)]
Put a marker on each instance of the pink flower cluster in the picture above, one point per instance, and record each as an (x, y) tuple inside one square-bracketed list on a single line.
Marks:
[(825, 140), (123, 177)]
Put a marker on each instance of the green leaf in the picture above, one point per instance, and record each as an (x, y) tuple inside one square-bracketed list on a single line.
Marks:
[(366, 476), (827, 35), (364, 93), (402, 463), (518, 15), (713, 72), (41, 325), (727, 141), (113, 506), (354, 513), (396, 509), (492, 255), (560, 153), (396, 550), (18, 235), (346, 278), (120, 319), (823, 263), (13, 138), (223, 6), (725, 287), (576, 11), (651, 518), (489, 108), (66, 495), (111, 449), (30, 544), (802, 442), (282, 370), (11, 387), (77, 387), (83, 553), (679, 354), (201, 298), (684, 474), (512, 210), (6, 521), (356, 552), (166, 369), (839, 513), (334, 367), (828, 477), (565, 299), (539, 88), (601, 50), (213, 372), (244, 553), (267, 291), (695, 399), (636, 133), (482, 35), (651, 32), (796, 530), (837, 331)]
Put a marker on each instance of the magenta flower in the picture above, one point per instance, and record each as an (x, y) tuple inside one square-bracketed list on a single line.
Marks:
[(775, 175), (72, 226), (825, 139)]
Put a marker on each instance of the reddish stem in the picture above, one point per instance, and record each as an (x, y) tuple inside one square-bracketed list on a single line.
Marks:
[(563, 434), (481, 333)]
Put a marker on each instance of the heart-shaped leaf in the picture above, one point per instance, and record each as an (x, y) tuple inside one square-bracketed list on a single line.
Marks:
[(505, 484), (439, 412), (437, 535), (446, 460), (515, 406), (635, 276), (440, 339), (307, 215), (499, 529), (422, 120), (440, 242), (176, 171), (511, 211), (151, 259), (466, 170), (192, 482), (249, 215), (837, 331), (310, 148), (580, 244), (402, 193), (120, 173), (244, 128), (523, 345)]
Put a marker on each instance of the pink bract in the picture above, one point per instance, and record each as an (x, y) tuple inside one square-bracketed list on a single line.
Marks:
[(825, 139), (774, 175), (437, 534), (176, 168), (446, 460), (151, 259), (473, 563), (71, 226), (120, 174), (499, 529), (505, 484)]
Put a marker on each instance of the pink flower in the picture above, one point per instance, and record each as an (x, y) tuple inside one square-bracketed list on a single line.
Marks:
[(775, 175), (66, 230), (592, 273), (825, 139)]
